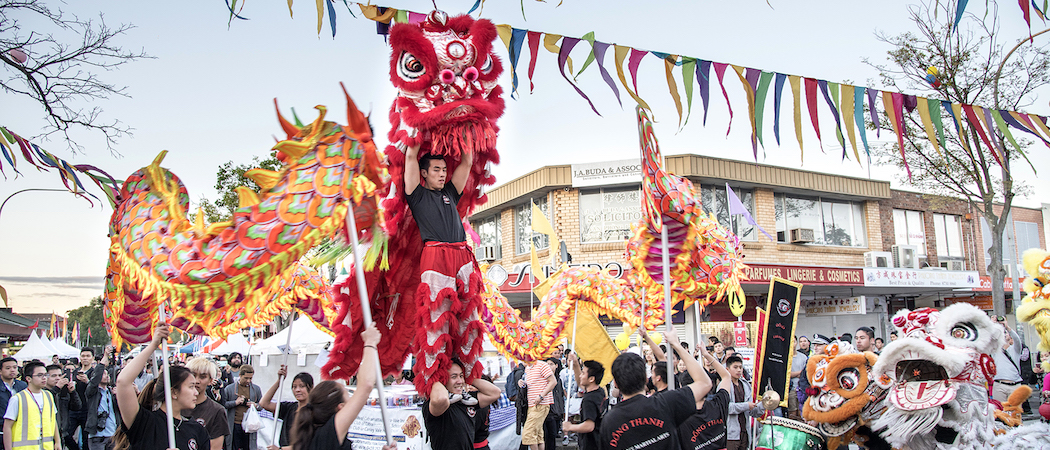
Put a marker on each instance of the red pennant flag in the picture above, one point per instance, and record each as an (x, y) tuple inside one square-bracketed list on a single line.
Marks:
[(534, 46), (35, 325), (811, 103)]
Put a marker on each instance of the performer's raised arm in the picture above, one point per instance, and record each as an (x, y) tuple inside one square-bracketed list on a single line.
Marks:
[(459, 177), (411, 169)]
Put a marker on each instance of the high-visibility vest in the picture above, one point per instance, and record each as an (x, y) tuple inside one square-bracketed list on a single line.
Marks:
[(34, 428)]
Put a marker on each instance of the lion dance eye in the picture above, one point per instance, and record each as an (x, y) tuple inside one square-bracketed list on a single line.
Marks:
[(409, 68), (849, 379), (487, 67), (964, 331)]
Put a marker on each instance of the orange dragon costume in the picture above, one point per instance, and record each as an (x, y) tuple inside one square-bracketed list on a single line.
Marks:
[(243, 272)]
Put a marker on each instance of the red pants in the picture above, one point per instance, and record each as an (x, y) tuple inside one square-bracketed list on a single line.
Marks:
[(449, 304)]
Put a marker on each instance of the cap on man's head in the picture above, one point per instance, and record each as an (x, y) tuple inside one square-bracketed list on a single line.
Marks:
[(820, 339)]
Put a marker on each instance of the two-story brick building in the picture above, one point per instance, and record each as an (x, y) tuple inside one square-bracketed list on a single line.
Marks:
[(826, 229)]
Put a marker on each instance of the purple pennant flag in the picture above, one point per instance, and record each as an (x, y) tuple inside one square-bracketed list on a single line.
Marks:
[(599, 52), (703, 77), (910, 102), (737, 207), (872, 94), (567, 44), (779, 89)]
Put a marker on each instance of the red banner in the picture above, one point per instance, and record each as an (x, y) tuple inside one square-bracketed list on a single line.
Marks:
[(838, 276)]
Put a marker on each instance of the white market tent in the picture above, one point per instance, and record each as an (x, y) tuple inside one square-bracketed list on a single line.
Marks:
[(234, 343), (306, 338), (35, 348), (64, 350)]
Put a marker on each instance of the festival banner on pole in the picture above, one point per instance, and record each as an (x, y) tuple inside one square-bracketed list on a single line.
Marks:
[(777, 330)]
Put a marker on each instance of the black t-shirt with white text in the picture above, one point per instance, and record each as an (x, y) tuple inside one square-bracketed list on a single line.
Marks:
[(649, 423), (436, 214), (149, 431), (706, 430), (591, 409), (452, 430)]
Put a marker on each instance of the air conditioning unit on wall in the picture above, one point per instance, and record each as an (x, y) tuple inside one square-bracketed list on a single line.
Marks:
[(953, 265), (801, 235), (488, 253), (905, 256), (878, 259)]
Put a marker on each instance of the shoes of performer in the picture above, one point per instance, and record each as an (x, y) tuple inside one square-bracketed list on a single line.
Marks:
[(469, 400), (453, 398)]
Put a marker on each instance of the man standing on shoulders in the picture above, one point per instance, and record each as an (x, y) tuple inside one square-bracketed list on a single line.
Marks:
[(638, 422), (11, 386), (540, 382), (102, 405), (449, 413), (31, 420), (238, 398), (65, 394), (593, 403)]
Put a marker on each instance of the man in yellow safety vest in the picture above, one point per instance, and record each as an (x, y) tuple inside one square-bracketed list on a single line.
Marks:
[(30, 421)]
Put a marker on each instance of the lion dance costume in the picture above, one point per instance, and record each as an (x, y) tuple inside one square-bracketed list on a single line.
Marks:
[(448, 101)]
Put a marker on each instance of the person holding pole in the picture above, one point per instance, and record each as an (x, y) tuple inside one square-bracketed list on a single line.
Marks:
[(302, 384), (324, 421), (592, 406), (143, 425)]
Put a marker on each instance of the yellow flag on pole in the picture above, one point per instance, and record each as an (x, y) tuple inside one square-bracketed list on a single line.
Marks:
[(594, 342), (540, 224)]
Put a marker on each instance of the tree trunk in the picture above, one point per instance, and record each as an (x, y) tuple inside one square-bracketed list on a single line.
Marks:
[(996, 271)]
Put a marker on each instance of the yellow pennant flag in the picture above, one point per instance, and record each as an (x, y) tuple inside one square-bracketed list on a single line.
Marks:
[(504, 32), (959, 121), (536, 268), (550, 42), (750, 93), (796, 90), (594, 343), (620, 53), (847, 116), (545, 286), (669, 64), (540, 224), (927, 124)]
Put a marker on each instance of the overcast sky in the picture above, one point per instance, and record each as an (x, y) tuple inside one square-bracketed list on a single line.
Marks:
[(207, 98)]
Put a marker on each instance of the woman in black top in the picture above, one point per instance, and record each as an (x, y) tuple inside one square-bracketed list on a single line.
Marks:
[(143, 418), (323, 422), (301, 386)]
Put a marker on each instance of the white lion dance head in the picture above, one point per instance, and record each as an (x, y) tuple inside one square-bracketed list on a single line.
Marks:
[(938, 375)]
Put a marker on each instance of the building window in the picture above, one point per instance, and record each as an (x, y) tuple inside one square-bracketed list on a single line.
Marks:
[(833, 222), (909, 229), (523, 227), (947, 230), (716, 200), (489, 231), (606, 214)]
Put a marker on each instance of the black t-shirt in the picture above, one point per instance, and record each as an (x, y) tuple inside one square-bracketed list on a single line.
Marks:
[(591, 409), (706, 430), (211, 416), (650, 423), (325, 438), (149, 431), (453, 430), (481, 425), (436, 215), (287, 415)]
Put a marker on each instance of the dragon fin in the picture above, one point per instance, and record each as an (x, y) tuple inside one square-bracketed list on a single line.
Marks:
[(246, 197), (266, 179), (198, 224), (289, 129), (356, 120)]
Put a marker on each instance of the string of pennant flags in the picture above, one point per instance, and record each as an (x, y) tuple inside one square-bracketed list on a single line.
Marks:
[(846, 102), (12, 146)]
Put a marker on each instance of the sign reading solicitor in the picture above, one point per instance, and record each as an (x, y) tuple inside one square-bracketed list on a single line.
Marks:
[(607, 172)]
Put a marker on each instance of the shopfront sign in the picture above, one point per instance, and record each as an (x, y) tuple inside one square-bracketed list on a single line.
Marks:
[(607, 172), (521, 280), (835, 306), (986, 284), (808, 275), (886, 277), (983, 302)]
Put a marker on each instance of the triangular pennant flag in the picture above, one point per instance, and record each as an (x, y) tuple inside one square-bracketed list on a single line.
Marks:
[(760, 103), (833, 105), (750, 83), (894, 111), (517, 38), (534, 46), (599, 51), (620, 54), (563, 55), (872, 112), (955, 110), (778, 89), (1001, 124), (589, 37), (796, 87), (987, 122), (975, 123), (935, 117), (737, 207), (632, 66), (550, 42), (927, 124), (688, 68), (672, 87), (848, 114), (720, 71), (703, 78), (811, 105)]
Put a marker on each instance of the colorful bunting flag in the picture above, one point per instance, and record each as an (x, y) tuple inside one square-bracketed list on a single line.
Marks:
[(43, 160), (720, 71), (669, 63), (534, 47), (703, 78), (563, 57), (796, 88), (848, 104), (858, 112), (778, 90)]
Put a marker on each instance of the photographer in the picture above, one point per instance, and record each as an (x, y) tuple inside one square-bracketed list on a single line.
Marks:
[(101, 412), (63, 389), (238, 397)]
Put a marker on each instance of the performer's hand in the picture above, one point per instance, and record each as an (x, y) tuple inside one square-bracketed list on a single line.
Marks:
[(160, 334), (565, 425), (283, 371), (671, 338), (390, 447), (371, 335)]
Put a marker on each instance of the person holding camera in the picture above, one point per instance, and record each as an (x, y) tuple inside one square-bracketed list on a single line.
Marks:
[(101, 422), (62, 387)]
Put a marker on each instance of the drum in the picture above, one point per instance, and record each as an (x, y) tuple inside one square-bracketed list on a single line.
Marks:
[(778, 433)]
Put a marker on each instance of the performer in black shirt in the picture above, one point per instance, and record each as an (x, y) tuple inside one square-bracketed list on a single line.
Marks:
[(450, 279), (640, 422), (706, 430), (593, 404), (448, 419)]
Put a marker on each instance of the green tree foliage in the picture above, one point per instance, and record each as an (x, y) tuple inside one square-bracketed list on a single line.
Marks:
[(90, 318), (976, 68), (227, 179)]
